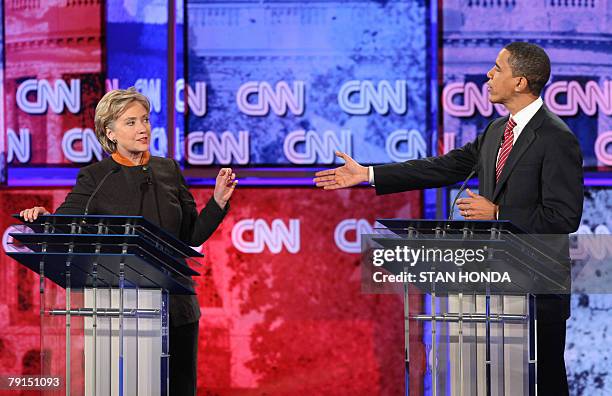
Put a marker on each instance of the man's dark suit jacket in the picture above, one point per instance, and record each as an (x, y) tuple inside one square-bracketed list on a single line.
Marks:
[(540, 188), (159, 194)]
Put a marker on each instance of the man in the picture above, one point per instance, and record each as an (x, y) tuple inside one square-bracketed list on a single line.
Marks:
[(529, 167)]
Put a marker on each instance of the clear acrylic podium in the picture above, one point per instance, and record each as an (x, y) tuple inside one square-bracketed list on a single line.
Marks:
[(473, 339), (104, 287)]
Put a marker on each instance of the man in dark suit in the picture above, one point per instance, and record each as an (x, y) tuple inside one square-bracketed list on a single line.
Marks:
[(529, 168)]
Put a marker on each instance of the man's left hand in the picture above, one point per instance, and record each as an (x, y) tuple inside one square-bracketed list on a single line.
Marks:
[(476, 207)]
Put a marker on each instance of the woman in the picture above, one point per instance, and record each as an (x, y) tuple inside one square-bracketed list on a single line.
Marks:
[(138, 184)]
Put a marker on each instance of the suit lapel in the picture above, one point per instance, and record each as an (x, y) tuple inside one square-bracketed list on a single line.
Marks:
[(522, 144), (491, 160)]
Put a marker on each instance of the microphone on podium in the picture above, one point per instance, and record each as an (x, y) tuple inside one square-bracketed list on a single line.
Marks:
[(463, 186), (115, 169)]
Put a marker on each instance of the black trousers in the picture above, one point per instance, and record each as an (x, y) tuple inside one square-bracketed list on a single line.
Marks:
[(184, 359), (552, 378)]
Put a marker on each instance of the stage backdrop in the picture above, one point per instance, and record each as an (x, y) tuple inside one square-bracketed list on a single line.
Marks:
[(52, 81), (290, 82), (588, 348), (285, 83)]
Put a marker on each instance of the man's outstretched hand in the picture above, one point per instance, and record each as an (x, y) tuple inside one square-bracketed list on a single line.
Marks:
[(348, 175)]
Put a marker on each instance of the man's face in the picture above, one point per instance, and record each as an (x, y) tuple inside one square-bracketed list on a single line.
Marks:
[(502, 86)]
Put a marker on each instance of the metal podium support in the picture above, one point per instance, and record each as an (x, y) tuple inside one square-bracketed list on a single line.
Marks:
[(104, 287)]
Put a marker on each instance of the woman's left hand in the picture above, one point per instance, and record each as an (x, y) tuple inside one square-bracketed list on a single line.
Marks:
[(224, 186)]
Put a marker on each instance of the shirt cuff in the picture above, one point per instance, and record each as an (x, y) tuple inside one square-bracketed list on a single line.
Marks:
[(371, 175)]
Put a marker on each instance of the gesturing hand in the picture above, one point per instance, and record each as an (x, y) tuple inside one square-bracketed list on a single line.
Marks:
[(476, 207), (224, 186), (348, 175), (32, 213)]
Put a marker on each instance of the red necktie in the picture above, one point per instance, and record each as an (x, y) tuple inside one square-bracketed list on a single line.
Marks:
[(504, 152)]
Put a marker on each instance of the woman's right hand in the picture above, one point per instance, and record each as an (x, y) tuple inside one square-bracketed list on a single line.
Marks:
[(32, 213), (225, 185)]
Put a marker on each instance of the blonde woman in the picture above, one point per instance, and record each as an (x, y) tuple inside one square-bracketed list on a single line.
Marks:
[(137, 183)]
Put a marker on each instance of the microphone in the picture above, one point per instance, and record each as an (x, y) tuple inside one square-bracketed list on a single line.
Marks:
[(148, 178), (472, 173), (144, 189), (115, 169)]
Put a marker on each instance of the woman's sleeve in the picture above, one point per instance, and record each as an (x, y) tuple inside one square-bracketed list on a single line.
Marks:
[(77, 199), (197, 228)]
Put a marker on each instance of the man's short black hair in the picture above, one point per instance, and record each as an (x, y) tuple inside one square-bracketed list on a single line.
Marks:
[(529, 61)]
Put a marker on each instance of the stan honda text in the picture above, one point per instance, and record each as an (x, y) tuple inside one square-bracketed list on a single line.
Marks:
[(443, 277)]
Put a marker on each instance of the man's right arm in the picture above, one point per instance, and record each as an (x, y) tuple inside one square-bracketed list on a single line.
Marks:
[(430, 172)]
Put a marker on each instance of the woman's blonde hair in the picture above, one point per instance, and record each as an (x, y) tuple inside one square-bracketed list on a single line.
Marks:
[(110, 108)]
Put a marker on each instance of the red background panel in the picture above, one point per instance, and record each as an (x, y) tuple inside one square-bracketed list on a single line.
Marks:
[(298, 323)]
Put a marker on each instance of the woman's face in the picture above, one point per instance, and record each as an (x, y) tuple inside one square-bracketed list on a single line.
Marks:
[(131, 130)]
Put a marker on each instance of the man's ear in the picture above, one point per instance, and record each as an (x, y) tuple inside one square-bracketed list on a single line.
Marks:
[(522, 85)]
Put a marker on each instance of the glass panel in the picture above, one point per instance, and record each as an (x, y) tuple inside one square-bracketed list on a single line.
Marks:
[(62, 339), (448, 356)]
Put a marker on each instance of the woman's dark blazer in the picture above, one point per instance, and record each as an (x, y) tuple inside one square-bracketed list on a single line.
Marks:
[(156, 191)]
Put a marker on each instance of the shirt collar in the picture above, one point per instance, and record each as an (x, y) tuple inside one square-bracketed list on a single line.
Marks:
[(120, 159), (526, 114)]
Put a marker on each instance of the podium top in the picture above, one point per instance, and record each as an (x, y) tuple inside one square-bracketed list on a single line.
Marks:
[(89, 224), (427, 226), (104, 251)]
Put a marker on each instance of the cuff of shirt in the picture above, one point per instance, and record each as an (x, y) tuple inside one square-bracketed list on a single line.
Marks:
[(371, 175)]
